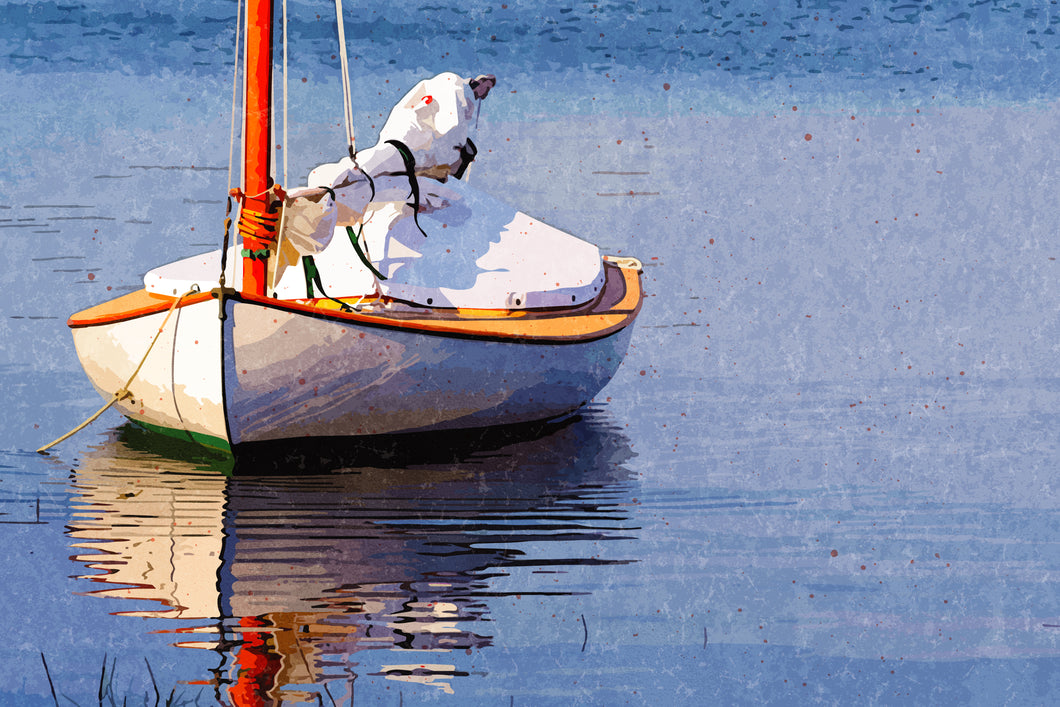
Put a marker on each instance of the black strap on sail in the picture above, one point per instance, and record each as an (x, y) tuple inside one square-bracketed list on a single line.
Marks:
[(355, 240), (312, 277), (467, 156), (410, 172)]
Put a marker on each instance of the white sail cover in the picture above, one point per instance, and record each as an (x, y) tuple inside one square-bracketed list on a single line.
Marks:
[(432, 120), (309, 220), (477, 253), (462, 249)]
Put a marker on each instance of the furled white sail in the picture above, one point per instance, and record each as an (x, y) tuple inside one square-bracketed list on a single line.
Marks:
[(430, 240), (432, 121)]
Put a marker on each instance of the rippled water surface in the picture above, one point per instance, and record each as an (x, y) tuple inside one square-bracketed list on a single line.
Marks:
[(824, 473)]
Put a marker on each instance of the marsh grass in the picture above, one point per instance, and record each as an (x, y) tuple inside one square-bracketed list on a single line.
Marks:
[(106, 696)]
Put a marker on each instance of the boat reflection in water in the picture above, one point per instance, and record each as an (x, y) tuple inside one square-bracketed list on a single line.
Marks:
[(290, 578)]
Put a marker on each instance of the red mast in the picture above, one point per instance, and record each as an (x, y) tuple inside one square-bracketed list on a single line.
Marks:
[(257, 221)]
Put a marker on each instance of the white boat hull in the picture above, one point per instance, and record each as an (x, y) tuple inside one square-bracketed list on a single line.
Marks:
[(273, 369), (289, 375)]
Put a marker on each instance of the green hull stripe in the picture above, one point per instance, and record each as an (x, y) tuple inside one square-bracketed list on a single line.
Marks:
[(197, 437)]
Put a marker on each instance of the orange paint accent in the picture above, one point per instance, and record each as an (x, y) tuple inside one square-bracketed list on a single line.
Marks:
[(468, 313), (135, 304), (616, 308)]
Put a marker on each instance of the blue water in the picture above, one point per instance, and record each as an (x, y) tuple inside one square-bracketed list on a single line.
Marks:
[(824, 472)]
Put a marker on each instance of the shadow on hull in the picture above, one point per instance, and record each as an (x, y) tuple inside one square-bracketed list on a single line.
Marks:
[(322, 455), (397, 451)]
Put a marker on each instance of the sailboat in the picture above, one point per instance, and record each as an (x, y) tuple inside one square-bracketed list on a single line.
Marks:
[(444, 309)]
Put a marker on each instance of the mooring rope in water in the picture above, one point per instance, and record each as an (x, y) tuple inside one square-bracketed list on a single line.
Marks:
[(124, 392)]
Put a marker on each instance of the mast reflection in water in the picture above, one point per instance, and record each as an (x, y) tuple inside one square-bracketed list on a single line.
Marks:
[(291, 578)]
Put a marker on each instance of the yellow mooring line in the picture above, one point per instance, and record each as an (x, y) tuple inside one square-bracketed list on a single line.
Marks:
[(124, 392)]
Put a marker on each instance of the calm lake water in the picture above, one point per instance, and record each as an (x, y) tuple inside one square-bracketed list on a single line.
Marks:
[(824, 472)]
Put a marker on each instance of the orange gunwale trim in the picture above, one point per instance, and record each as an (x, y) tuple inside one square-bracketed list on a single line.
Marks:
[(130, 306), (616, 306)]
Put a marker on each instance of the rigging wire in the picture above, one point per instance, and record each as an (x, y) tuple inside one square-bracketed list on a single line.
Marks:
[(231, 147), (284, 143), (235, 94), (347, 99)]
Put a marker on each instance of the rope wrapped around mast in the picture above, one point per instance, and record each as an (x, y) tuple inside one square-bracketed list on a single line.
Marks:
[(258, 224), (259, 227)]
